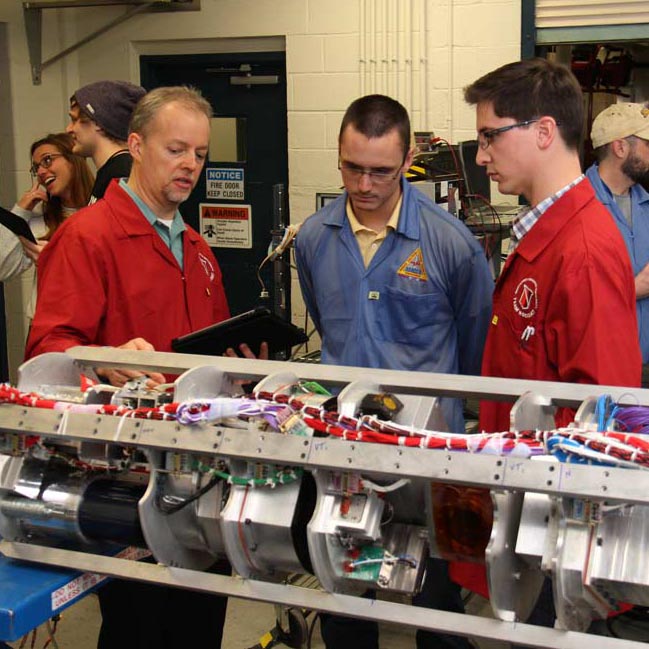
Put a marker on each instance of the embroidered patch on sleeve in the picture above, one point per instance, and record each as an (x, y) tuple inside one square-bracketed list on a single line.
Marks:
[(413, 267)]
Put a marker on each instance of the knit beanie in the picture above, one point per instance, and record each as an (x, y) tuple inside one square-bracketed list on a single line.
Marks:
[(110, 104)]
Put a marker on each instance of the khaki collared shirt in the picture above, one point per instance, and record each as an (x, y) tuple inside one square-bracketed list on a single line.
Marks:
[(369, 240)]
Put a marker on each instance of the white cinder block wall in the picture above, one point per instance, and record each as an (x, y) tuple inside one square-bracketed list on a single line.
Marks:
[(423, 52)]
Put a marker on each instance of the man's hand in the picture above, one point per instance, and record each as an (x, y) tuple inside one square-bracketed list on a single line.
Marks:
[(33, 250), (642, 283), (119, 377), (247, 352), (33, 196)]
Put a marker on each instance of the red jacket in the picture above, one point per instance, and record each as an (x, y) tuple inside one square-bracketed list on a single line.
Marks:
[(564, 305), (564, 310), (107, 277)]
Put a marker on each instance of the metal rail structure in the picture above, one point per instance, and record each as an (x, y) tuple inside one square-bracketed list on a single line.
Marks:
[(33, 14), (278, 499)]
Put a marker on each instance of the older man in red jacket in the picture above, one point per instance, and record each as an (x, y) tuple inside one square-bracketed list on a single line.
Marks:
[(127, 272)]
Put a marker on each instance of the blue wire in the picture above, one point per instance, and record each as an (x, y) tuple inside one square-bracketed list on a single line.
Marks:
[(604, 404)]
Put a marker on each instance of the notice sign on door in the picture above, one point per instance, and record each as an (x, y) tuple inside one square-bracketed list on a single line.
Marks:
[(226, 226), (224, 184)]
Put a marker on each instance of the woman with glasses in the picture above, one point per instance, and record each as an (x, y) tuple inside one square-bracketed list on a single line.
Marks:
[(62, 183)]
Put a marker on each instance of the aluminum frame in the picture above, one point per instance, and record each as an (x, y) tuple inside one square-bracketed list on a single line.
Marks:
[(502, 474), (284, 594)]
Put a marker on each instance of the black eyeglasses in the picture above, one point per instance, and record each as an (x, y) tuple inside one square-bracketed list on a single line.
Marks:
[(377, 175), (45, 162), (486, 137)]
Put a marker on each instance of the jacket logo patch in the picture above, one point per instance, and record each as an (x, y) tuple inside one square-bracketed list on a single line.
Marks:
[(413, 267), (526, 298), (207, 265)]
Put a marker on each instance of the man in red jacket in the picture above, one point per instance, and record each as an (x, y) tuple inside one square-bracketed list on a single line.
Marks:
[(564, 304), (127, 272)]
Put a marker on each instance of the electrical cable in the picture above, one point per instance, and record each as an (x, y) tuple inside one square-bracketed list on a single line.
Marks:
[(279, 477), (387, 488), (626, 447), (495, 217), (290, 232), (389, 511), (242, 537), (168, 504)]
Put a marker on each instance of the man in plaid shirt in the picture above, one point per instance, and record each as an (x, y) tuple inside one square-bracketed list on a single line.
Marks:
[(564, 304)]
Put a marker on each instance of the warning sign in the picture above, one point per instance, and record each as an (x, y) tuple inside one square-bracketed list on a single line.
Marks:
[(224, 184), (79, 585), (226, 226)]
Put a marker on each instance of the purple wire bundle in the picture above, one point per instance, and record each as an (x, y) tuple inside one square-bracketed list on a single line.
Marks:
[(633, 419), (211, 410)]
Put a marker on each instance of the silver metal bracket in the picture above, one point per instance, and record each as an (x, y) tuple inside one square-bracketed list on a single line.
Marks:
[(33, 12)]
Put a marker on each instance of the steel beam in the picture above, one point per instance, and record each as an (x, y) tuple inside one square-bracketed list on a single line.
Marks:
[(294, 596), (419, 383), (505, 473)]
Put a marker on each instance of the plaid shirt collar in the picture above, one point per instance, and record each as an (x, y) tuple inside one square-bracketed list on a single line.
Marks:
[(526, 219)]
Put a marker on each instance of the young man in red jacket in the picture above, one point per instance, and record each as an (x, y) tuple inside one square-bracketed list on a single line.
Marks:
[(127, 272), (564, 304)]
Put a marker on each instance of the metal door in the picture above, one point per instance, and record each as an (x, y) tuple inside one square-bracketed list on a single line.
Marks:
[(252, 88)]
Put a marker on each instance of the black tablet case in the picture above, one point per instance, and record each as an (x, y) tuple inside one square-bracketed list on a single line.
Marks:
[(252, 327), (16, 224)]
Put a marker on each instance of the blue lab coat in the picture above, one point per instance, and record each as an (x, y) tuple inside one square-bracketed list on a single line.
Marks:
[(423, 303)]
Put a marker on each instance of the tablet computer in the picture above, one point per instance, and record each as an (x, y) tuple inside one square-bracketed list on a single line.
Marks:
[(252, 327), (16, 224)]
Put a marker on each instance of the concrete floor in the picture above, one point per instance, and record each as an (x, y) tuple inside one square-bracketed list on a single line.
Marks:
[(246, 623)]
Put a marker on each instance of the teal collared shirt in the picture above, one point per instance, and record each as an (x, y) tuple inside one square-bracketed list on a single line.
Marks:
[(172, 236)]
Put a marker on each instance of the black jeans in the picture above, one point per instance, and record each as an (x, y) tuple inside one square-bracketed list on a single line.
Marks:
[(138, 615), (438, 592)]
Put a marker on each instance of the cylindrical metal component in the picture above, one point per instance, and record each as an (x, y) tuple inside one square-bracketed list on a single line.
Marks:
[(109, 512), (17, 507), (52, 515)]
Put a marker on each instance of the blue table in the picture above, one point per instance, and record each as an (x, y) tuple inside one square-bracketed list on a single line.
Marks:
[(31, 594)]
